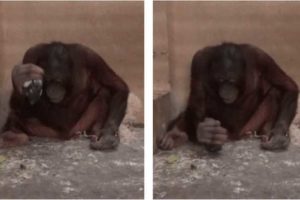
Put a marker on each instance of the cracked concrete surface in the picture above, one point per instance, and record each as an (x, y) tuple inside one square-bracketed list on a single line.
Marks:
[(70, 169), (241, 170)]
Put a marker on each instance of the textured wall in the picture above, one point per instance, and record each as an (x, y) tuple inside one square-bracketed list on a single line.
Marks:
[(272, 26), (114, 29)]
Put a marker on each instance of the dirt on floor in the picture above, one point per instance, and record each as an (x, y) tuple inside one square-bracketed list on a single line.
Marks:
[(48, 168), (240, 170)]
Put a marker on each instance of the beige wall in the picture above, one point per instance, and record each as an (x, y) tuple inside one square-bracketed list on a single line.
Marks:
[(272, 26), (114, 29), (161, 82)]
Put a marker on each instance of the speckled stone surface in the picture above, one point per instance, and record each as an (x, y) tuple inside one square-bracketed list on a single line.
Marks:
[(241, 170), (70, 169)]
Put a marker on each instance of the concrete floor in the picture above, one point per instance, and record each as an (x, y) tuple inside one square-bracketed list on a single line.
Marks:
[(241, 170), (69, 169)]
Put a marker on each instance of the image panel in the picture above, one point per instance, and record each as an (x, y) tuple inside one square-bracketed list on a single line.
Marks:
[(71, 100), (226, 120)]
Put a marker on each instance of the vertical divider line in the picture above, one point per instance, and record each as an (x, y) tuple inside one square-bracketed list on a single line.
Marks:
[(148, 100)]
